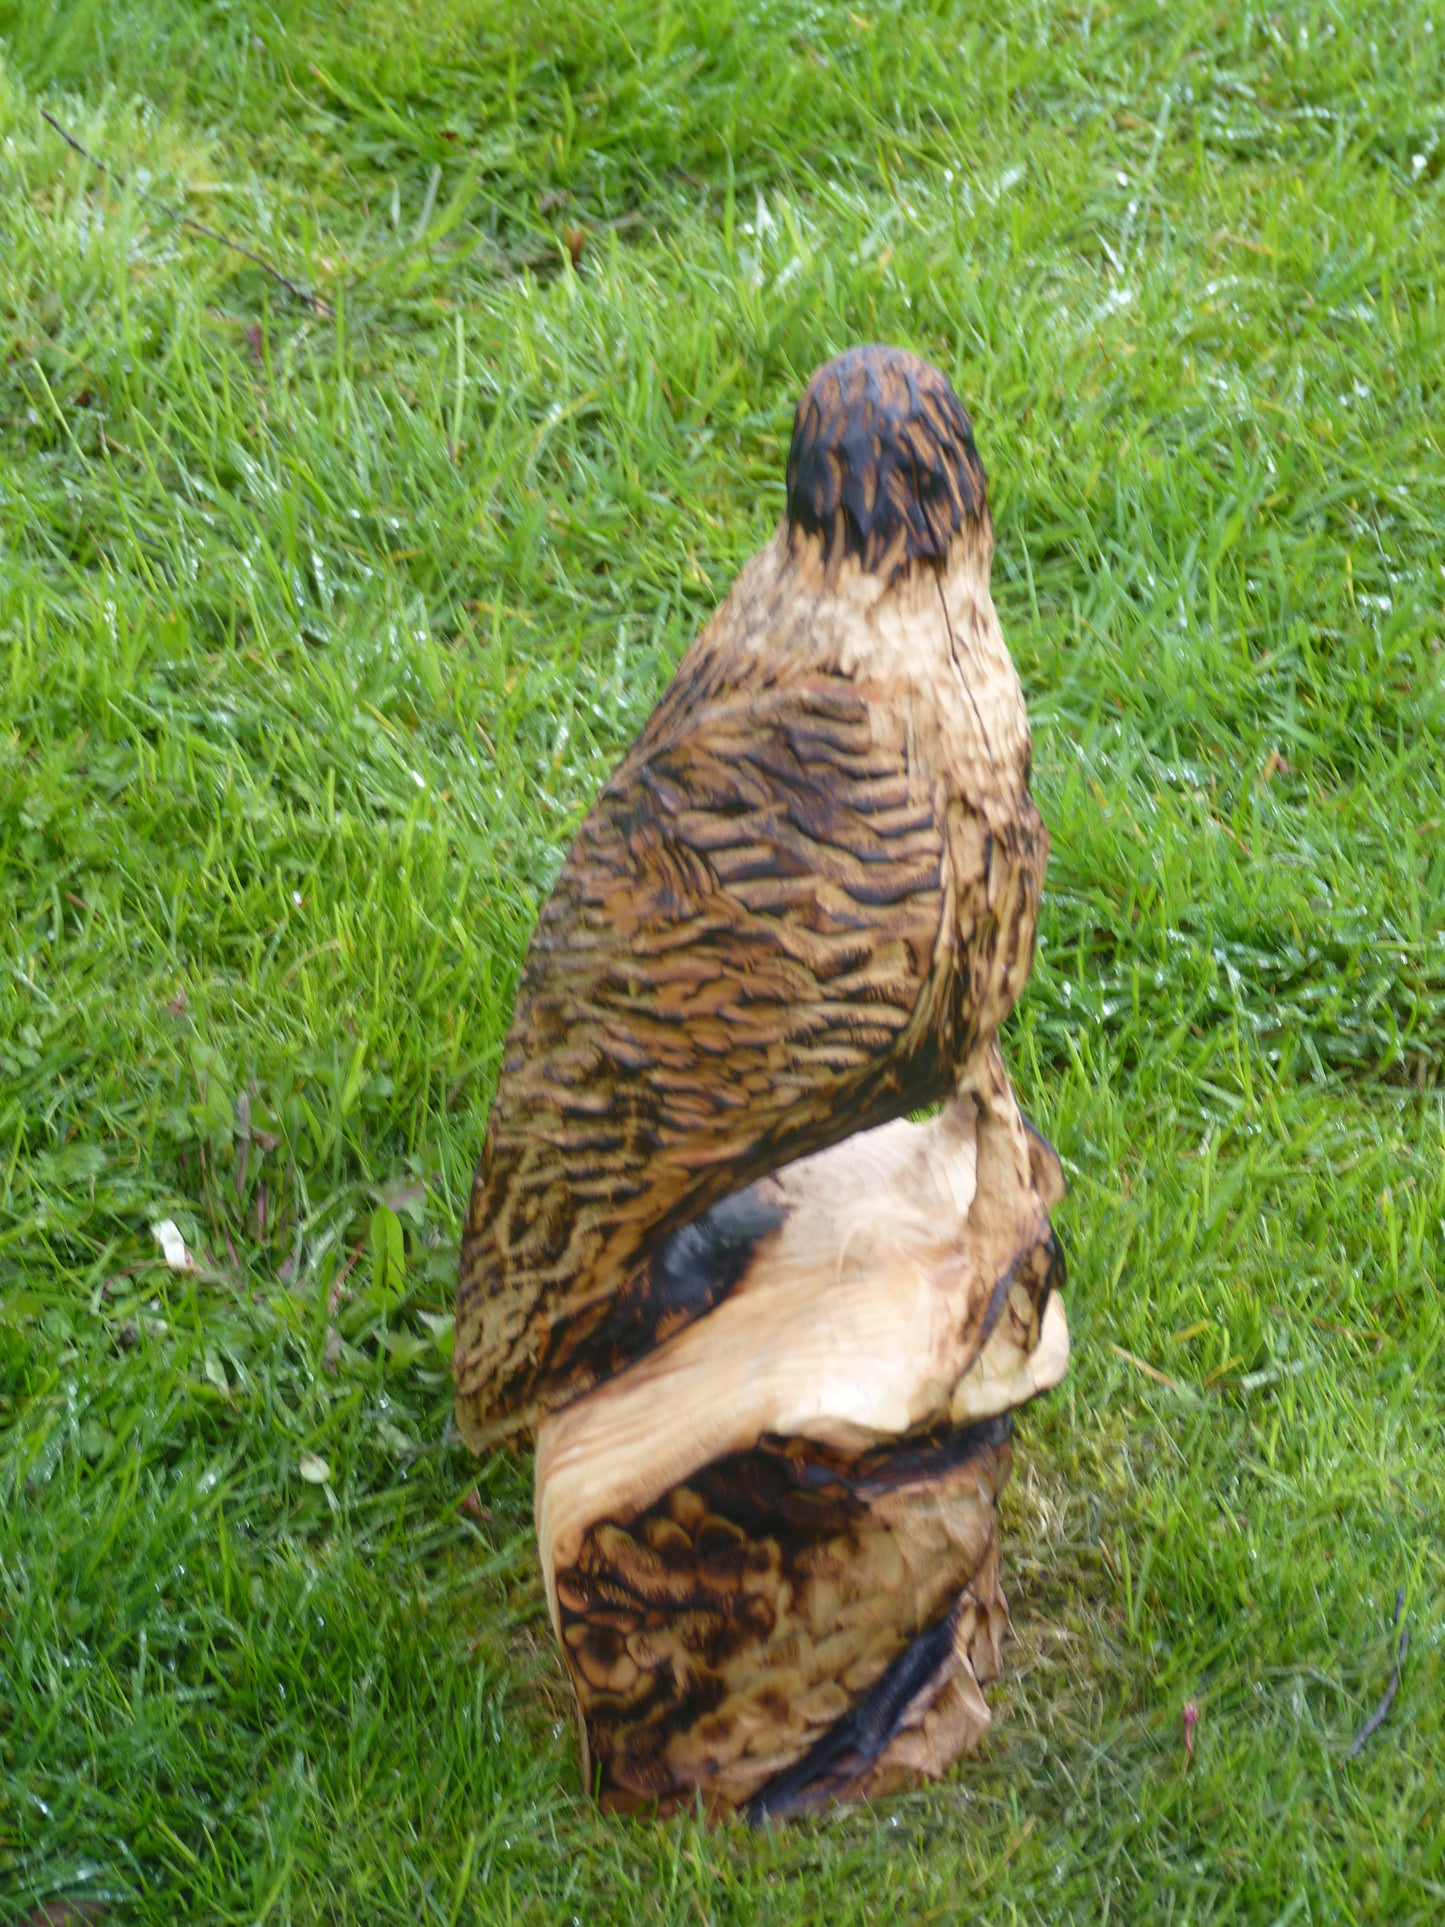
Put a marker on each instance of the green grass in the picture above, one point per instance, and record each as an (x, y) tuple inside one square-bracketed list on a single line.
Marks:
[(316, 636)]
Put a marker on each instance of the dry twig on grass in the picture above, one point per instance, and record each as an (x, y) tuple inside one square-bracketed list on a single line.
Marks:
[(1377, 1719), (307, 295)]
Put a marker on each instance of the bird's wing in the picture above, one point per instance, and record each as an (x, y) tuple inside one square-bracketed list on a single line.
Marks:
[(741, 963)]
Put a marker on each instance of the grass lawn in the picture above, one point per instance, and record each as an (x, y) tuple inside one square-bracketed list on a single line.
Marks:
[(318, 630)]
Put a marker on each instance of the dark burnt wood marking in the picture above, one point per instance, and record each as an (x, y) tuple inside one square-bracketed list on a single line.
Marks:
[(696, 1269), (1044, 1165), (882, 464), (1040, 1271), (860, 1736), (675, 1621)]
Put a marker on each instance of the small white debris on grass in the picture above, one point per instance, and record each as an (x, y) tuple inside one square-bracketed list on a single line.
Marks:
[(173, 1246)]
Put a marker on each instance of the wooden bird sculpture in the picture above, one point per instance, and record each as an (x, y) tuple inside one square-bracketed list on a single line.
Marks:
[(767, 1333)]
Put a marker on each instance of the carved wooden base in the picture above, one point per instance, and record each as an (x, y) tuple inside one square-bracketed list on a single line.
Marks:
[(771, 1547), (789, 1627)]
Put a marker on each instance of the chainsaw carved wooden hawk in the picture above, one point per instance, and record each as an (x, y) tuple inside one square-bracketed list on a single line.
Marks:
[(766, 1332)]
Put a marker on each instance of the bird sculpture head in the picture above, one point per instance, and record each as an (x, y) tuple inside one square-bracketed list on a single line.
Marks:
[(882, 465)]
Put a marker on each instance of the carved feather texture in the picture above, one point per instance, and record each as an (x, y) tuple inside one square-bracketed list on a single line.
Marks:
[(882, 465), (806, 894), (728, 1637)]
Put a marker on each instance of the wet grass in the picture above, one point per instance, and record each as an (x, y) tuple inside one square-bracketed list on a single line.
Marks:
[(317, 632)]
